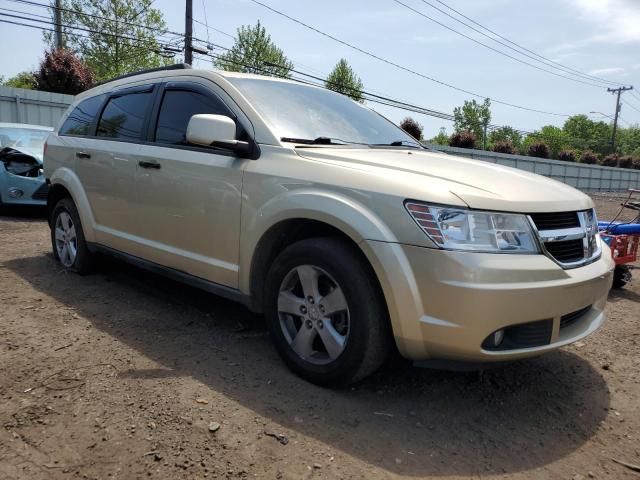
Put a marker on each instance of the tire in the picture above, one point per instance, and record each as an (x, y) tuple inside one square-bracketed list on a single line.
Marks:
[(71, 236), (356, 312), (621, 276)]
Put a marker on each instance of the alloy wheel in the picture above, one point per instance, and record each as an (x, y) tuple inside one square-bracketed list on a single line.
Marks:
[(314, 315), (66, 239)]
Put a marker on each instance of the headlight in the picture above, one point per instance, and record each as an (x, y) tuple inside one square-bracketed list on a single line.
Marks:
[(454, 228)]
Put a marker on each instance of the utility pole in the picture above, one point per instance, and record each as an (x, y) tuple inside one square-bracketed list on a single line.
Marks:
[(188, 33), (615, 118), (58, 21)]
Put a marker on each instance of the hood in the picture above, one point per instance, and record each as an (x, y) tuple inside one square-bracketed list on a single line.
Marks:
[(481, 185)]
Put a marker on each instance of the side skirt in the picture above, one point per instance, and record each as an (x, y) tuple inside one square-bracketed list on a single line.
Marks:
[(183, 277)]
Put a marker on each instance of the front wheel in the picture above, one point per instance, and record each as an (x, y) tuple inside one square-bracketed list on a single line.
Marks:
[(326, 313), (67, 238)]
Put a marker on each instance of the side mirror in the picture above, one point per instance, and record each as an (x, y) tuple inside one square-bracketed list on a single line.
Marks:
[(215, 131)]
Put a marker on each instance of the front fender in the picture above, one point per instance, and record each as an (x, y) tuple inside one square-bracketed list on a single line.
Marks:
[(346, 214), (68, 179)]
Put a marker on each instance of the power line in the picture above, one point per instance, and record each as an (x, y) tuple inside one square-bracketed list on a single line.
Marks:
[(543, 59), (401, 67), (630, 105), (39, 27), (500, 52), (89, 15), (369, 96), (125, 37)]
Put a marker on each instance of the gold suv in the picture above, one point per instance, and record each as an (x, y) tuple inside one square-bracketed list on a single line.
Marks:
[(344, 231)]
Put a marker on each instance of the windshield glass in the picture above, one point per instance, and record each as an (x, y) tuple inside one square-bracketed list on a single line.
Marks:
[(27, 140), (297, 111)]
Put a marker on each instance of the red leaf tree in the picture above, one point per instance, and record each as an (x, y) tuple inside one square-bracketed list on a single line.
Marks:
[(61, 71)]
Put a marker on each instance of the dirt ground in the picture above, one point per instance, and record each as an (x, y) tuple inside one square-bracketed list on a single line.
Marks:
[(123, 374)]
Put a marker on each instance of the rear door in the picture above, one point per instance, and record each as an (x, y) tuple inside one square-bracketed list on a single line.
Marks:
[(188, 204), (107, 164)]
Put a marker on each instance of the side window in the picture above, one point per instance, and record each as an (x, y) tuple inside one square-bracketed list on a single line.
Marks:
[(123, 117), (178, 106), (80, 119)]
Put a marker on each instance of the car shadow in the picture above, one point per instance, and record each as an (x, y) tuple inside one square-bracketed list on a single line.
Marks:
[(22, 213), (406, 420)]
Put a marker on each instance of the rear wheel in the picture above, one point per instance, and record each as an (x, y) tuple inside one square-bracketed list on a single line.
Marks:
[(325, 312), (67, 238)]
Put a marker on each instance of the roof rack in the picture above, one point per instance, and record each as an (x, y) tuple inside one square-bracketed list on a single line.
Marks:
[(176, 66)]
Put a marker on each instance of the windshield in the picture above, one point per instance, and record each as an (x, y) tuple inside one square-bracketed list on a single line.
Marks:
[(27, 140), (296, 111)]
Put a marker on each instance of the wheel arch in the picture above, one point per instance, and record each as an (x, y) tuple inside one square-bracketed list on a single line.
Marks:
[(297, 215), (64, 183)]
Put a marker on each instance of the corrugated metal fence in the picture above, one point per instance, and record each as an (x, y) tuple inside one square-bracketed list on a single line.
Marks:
[(591, 178), (18, 105)]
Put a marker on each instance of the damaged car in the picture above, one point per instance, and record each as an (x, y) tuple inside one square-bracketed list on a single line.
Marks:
[(21, 152)]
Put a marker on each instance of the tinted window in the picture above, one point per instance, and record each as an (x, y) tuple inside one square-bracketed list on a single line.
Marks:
[(178, 106), (80, 119), (123, 117)]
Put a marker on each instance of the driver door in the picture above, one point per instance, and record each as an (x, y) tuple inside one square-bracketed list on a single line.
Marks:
[(188, 197)]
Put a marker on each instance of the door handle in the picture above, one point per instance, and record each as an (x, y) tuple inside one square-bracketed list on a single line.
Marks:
[(144, 164), (82, 155)]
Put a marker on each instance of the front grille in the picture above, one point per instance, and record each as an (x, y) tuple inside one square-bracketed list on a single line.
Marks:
[(41, 193), (569, 238), (567, 251), (573, 317), (555, 220)]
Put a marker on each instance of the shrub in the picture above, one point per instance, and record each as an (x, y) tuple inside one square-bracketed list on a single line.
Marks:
[(504, 147), (636, 163), (626, 162), (589, 157), (610, 160), (62, 72), (412, 127), (538, 149), (567, 155), (463, 139)]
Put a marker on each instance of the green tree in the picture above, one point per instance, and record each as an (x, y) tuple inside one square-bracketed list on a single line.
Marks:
[(473, 117), (121, 35), (628, 140), (254, 52), (441, 138), (553, 137), (582, 134), (343, 79), (506, 134), (21, 80)]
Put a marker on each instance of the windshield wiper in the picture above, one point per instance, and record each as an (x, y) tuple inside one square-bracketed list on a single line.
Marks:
[(398, 143), (320, 141)]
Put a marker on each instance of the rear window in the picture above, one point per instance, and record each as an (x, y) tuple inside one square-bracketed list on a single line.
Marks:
[(81, 118), (123, 117)]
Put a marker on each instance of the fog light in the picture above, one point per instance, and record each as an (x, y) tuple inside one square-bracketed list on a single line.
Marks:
[(498, 337), (15, 192), (493, 341)]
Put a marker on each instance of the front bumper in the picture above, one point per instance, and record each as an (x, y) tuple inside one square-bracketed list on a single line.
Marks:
[(18, 190), (444, 304)]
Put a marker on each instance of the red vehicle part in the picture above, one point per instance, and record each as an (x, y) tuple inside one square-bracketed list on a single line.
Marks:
[(624, 248)]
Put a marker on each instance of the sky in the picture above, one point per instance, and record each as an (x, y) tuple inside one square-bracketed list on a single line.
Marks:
[(596, 37)]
